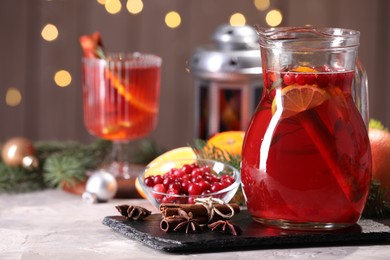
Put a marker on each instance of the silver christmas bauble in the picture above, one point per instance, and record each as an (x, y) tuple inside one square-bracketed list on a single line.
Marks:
[(101, 186)]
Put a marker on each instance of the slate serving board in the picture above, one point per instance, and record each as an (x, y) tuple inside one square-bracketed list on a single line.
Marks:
[(254, 235)]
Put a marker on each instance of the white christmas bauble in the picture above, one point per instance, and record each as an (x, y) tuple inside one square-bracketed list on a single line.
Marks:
[(101, 185)]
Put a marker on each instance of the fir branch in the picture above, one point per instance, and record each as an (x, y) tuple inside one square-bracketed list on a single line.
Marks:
[(376, 205), (207, 151), (146, 152), (18, 179), (61, 169)]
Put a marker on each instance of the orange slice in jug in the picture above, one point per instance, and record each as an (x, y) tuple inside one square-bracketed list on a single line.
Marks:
[(297, 98)]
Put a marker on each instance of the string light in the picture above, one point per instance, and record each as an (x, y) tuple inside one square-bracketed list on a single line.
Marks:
[(274, 18), (134, 6), (262, 5), (13, 97), (49, 32), (172, 19), (113, 6), (62, 78), (237, 19)]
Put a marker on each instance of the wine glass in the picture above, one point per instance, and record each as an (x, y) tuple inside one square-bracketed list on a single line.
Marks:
[(120, 99)]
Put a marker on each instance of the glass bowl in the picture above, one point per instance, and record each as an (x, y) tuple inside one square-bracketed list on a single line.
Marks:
[(184, 181)]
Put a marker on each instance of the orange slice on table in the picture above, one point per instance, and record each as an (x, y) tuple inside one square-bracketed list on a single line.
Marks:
[(298, 98), (180, 153), (229, 141)]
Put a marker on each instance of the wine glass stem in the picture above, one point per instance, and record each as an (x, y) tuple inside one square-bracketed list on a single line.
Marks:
[(118, 161)]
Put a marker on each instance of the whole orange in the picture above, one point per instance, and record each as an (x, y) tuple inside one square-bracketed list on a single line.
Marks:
[(380, 148), (228, 141)]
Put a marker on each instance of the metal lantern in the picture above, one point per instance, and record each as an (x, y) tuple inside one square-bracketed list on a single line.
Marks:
[(228, 80)]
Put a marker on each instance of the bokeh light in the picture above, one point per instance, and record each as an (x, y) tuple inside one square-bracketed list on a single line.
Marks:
[(62, 78), (113, 6), (13, 97), (172, 19), (262, 5), (49, 32), (237, 19), (134, 6), (102, 2), (274, 18)]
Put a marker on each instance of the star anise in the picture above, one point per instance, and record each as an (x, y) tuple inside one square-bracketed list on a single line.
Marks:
[(225, 226), (133, 212), (189, 224)]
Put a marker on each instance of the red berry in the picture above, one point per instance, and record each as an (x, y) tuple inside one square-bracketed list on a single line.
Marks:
[(187, 169), (175, 186), (205, 169), (300, 79), (172, 191), (149, 181), (288, 79), (159, 188), (194, 189), (167, 181), (216, 187), (158, 179), (310, 79), (197, 172), (205, 185), (323, 80), (184, 186)]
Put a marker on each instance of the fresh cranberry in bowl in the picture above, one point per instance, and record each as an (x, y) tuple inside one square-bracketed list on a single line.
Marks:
[(199, 178)]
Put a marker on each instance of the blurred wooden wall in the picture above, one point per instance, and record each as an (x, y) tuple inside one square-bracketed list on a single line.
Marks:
[(48, 112)]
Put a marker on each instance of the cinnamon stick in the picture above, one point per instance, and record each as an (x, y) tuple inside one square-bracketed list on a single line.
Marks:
[(171, 222), (199, 211)]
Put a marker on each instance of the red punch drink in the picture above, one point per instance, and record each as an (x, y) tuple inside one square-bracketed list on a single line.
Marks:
[(306, 160), (120, 97)]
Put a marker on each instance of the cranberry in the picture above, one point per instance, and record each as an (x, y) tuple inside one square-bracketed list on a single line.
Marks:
[(175, 186), (184, 186), (216, 187), (194, 189), (187, 169), (288, 79), (300, 79), (205, 185), (205, 169), (167, 181), (197, 172), (149, 181), (158, 179), (310, 79), (322, 80), (172, 191), (159, 188)]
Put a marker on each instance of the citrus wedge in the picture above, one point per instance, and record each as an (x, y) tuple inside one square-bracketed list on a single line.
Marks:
[(303, 69), (180, 153), (229, 141), (298, 98)]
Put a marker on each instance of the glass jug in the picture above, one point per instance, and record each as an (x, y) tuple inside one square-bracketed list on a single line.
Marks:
[(306, 159)]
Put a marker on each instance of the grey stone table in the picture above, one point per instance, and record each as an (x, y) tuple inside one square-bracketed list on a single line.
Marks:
[(53, 224)]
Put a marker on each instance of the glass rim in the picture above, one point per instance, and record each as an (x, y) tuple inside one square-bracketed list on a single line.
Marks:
[(128, 58), (308, 37)]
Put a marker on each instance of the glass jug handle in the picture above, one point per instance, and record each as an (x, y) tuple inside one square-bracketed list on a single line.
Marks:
[(360, 91)]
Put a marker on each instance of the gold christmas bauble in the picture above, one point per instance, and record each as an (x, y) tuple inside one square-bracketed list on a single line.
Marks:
[(19, 151)]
